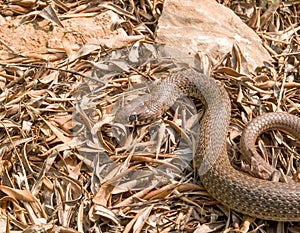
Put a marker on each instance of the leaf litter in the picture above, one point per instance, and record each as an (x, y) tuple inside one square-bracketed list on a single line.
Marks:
[(66, 167)]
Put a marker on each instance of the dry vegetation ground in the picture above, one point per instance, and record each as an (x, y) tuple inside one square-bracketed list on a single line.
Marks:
[(63, 169)]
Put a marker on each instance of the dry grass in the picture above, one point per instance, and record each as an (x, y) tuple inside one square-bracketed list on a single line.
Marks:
[(65, 168)]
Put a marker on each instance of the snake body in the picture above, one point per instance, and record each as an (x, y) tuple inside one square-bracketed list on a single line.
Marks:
[(238, 191)]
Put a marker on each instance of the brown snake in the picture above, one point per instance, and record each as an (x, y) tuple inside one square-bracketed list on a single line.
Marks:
[(238, 191)]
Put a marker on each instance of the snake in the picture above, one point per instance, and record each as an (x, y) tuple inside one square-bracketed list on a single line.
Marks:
[(236, 190)]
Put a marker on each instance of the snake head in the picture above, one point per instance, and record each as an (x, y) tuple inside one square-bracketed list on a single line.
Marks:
[(139, 111)]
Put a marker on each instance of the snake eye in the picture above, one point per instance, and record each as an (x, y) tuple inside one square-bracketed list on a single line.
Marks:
[(132, 118)]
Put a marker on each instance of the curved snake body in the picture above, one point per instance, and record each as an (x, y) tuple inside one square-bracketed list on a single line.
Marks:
[(234, 189)]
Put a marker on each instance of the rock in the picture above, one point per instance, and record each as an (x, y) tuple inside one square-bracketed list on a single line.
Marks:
[(208, 27)]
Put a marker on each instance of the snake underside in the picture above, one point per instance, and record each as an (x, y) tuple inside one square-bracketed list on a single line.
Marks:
[(234, 189)]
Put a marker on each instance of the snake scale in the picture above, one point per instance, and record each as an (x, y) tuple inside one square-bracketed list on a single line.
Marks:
[(238, 191)]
